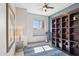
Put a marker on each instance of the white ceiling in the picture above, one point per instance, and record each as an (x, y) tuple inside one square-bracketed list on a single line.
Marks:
[(34, 8)]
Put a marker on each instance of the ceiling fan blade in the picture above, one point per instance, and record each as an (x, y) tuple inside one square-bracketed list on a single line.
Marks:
[(50, 7)]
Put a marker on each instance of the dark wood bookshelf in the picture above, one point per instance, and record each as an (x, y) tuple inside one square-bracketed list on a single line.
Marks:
[(66, 30)]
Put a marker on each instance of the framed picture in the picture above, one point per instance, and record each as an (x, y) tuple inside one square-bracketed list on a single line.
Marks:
[(10, 27)]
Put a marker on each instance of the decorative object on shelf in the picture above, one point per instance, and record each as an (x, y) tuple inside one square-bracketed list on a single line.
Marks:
[(54, 22), (66, 14), (74, 18)]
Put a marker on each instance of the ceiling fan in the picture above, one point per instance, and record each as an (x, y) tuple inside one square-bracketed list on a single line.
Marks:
[(45, 7)]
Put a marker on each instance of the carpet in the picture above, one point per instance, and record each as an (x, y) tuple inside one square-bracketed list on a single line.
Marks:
[(44, 50)]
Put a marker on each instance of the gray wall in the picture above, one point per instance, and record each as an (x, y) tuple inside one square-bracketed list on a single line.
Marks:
[(70, 8)]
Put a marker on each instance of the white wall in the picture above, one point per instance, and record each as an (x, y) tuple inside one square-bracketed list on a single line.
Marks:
[(25, 20), (3, 31), (30, 31), (21, 17)]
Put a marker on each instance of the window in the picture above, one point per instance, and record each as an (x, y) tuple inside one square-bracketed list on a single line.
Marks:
[(36, 24)]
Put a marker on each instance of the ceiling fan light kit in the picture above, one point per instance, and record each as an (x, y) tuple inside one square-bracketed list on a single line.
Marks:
[(45, 7)]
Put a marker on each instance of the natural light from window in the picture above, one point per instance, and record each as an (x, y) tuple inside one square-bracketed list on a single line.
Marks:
[(38, 49), (42, 49), (36, 24), (47, 47)]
